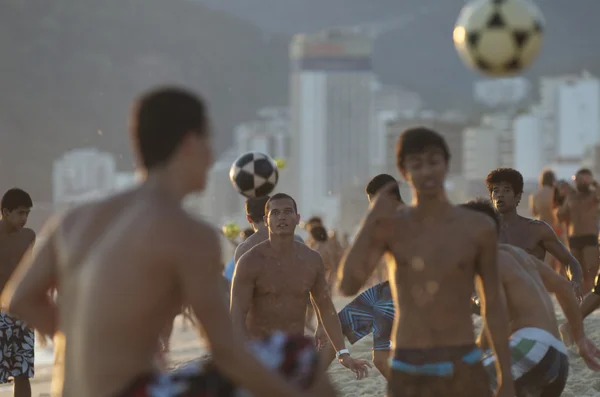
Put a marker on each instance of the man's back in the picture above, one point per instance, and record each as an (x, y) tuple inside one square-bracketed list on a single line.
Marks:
[(435, 268), (541, 205), (528, 302), (113, 281)]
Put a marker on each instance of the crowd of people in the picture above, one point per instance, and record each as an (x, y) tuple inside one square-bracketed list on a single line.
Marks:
[(111, 275)]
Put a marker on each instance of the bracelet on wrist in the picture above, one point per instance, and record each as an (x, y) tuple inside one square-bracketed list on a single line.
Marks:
[(342, 352)]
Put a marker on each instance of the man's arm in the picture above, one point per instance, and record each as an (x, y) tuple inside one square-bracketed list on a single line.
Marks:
[(493, 305), (564, 212), (532, 206), (563, 291), (325, 308), (27, 294), (558, 250), (242, 290), (199, 277), (361, 258)]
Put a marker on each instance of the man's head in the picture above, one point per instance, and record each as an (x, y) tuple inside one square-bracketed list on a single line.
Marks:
[(484, 206), (255, 210), (505, 186), (583, 180), (246, 233), (547, 178), (380, 181), (170, 129), (281, 214), (313, 221), (16, 205), (422, 157), (319, 233)]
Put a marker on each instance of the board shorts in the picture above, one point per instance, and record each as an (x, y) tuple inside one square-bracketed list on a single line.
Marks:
[(539, 363), (438, 372), (17, 342), (295, 357), (370, 312), (580, 242)]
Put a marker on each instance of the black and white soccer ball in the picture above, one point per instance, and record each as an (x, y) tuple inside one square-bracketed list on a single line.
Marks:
[(499, 37), (254, 174)]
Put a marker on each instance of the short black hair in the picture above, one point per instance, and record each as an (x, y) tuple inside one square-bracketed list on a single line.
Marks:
[(247, 232), (585, 171), (161, 119), (380, 181), (505, 175), (15, 198), (255, 208), (319, 233), (547, 178), (484, 206), (280, 196), (417, 140)]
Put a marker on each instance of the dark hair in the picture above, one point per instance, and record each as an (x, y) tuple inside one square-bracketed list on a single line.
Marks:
[(417, 140), (484, 206), (547, 178), (319, 233), (255, 208), (280, 196), (585, 171), (506, 175), (161, 120), (15, 198), (314, 221), (247, 233), (380, 181)]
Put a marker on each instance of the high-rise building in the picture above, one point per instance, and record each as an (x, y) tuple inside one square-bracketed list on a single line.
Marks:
[(331, 111), (269, 134)]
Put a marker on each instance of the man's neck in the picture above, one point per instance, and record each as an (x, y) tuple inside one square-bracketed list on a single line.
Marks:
[(282, 244), (509, 217), (259, 227), (5, 228), (163, 181), (431, 206)]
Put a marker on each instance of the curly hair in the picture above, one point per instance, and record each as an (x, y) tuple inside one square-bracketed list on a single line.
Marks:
[(505, 175)]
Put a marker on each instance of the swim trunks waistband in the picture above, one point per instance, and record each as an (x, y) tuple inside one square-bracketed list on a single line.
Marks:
[(540, 336), (449, 356), (586, 240)]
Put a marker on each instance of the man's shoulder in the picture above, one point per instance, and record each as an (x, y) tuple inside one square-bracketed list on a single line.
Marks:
[(28, 233), (474, 220)]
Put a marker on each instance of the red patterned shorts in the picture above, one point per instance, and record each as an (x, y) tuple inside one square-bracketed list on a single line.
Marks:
[(294, 357)]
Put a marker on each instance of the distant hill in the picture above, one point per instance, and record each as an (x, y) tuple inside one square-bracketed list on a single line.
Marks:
[(415, 51), (70, 68)]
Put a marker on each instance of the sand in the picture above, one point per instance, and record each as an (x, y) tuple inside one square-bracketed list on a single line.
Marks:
[(186, 346)]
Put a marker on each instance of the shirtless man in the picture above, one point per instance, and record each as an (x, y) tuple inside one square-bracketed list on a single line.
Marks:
[(541, 207), (274, 280), (540, 359), (435, 252), (16, 339), (580, 212), (505, 186), (126, 263), (373, 310)]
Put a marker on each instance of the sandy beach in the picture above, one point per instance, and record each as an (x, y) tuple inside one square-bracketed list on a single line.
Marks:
[(186, 346)]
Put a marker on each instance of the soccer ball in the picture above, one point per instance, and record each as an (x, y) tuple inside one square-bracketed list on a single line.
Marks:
[(499, 37), (254, 174)]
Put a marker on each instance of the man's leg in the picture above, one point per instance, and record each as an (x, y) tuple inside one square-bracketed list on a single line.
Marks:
[(381, 360), (590, 264), (22, 387)]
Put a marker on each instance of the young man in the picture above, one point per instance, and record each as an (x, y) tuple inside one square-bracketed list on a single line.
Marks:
[(540, 360), (274, 281), (373, 310), (16, 338), (505, 186), (438, 250), (580, 212), (125, 264)]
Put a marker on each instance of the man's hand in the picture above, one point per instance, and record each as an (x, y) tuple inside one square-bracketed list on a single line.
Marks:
[(385, 202), (577, 290), (589, 353), (359, 367)]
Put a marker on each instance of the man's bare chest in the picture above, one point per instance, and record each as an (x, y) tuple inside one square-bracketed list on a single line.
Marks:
[(583, 207), (285, 279), (12, 249), (522, 235)]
